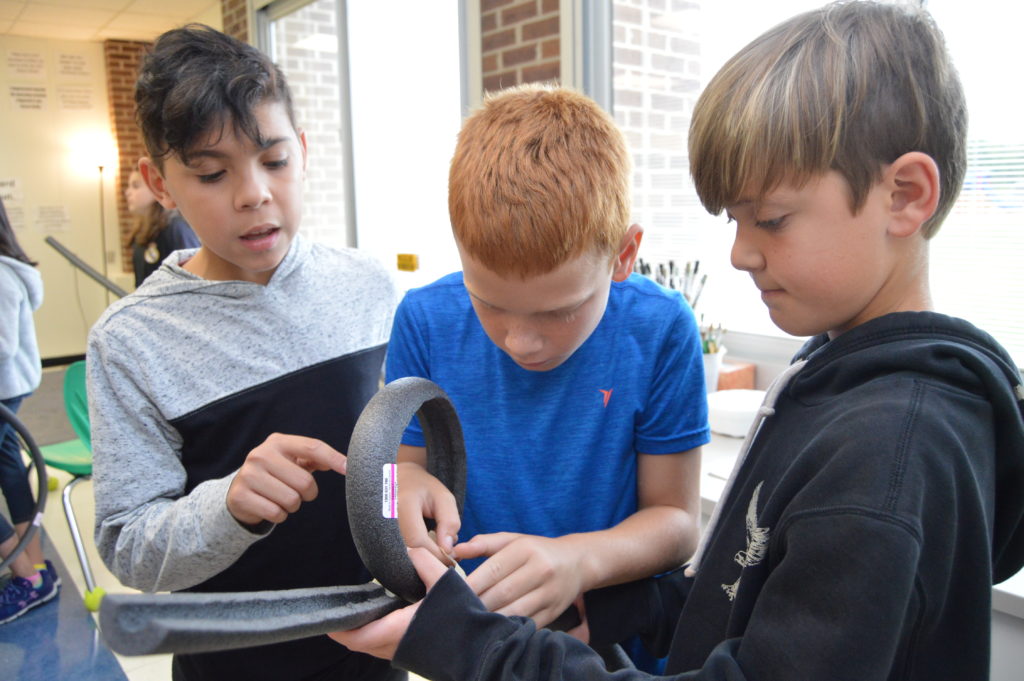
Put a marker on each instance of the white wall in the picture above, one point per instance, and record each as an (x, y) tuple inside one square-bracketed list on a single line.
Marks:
[(52, 153)]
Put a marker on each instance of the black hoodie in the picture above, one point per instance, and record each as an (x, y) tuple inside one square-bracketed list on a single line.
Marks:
[(874, 506)]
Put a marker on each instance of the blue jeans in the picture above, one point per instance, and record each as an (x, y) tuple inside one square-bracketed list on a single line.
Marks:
[(14, 483)]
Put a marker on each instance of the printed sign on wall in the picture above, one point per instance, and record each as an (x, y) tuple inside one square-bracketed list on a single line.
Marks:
[(26, 64)]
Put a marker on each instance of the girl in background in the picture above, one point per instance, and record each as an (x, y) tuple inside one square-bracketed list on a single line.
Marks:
[(21, 293), (157, 232)]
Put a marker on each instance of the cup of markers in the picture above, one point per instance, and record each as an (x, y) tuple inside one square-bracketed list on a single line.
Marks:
[(714, 353), (689, 281)]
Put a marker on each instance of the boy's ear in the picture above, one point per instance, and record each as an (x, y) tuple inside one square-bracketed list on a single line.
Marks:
[(302, 143), (914, 185), (629, 247), (154, 179)]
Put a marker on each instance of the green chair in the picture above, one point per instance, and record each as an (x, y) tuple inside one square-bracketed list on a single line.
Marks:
[(75, 457)]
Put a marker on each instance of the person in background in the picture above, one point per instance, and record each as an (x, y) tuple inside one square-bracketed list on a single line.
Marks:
[(35, 580), (157, 232), (221, 390), (881, 492)]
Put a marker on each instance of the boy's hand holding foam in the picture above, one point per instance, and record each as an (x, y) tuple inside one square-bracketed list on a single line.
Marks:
[(420, 496), (277, 478), (535, 577), (380, 638)]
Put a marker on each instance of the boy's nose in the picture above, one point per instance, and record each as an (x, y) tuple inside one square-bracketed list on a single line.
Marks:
[(745, 256), (252, 192), (523, 341)]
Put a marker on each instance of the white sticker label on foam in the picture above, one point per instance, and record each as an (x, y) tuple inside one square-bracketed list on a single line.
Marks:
[(390, 496)]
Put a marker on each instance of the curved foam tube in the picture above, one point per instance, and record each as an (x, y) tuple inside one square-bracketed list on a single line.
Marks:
[(141, 624), (373, 447)]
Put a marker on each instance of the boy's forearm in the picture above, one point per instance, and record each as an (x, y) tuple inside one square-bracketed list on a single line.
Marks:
[(659, 536), (652, 540), (170, 545)]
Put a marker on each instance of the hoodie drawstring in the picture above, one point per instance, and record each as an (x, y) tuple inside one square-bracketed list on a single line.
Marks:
[(766, 410)]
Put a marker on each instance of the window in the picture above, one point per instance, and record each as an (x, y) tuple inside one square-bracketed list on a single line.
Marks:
[(378, 88), (302, 38), (665, 51), (976, 267)]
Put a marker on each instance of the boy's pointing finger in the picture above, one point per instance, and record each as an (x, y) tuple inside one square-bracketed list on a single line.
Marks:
[(309, 453)]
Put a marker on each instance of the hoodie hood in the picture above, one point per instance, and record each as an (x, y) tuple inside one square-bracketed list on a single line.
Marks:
[(171, 278), (957, 353), (29, 277)]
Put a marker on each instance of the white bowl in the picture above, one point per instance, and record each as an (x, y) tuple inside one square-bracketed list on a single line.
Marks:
[(730, 412)]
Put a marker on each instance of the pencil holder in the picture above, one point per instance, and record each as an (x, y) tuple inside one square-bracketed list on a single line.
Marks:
[(712, 367)]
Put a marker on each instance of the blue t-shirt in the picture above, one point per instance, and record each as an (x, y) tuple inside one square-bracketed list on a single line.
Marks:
[(555, 452)]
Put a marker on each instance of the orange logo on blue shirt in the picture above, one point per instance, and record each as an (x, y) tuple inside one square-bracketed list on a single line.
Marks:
[(607, 395)]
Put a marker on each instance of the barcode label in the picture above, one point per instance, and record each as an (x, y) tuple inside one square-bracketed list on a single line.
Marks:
[(390, 496)]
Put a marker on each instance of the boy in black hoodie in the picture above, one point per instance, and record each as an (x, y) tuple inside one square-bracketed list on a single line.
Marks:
[(881, 492)]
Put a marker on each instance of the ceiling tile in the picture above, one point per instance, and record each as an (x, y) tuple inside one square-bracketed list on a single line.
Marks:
[(114, 5), (178, 8), (99, 19), (66, 16), (27, 28), (132, 21), (10, 10)]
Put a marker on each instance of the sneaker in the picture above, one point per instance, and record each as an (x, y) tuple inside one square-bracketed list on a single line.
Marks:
[(19, 596), (50, 574)]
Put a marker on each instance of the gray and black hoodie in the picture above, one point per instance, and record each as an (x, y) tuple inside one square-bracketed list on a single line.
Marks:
[(186, 376)]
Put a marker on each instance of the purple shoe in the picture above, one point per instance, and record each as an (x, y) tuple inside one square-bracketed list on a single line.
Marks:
[(50, 574), (19, 596)]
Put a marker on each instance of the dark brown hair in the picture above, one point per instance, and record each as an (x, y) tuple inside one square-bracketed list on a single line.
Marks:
[(9, 245), (195, 80)]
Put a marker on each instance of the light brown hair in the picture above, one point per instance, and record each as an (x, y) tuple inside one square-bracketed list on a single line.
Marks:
[(849, 87), (540, 175), (147, 227)]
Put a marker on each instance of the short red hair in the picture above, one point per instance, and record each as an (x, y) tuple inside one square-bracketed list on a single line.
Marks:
[(540, 175)]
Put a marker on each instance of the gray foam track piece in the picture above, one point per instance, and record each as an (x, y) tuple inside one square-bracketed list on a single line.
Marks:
[(142, 624), (134, 624), (374, 444)]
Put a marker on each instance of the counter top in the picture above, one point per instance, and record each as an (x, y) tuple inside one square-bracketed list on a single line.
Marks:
[(719, 457)]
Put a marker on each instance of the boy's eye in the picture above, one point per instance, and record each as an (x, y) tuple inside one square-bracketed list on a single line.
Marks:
[(775, 223), (211, 177), (280, 163), (562, 315)]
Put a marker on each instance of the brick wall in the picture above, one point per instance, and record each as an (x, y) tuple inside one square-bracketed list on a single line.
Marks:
[(312, 70), (656, 78), (519, 42), (122, 62), (235, 17)]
